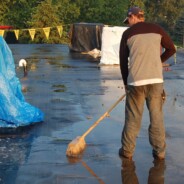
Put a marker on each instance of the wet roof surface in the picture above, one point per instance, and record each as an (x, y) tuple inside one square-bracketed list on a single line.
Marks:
[(73, 92)]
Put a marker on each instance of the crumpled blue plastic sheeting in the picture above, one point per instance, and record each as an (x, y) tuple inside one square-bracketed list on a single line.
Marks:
[(14, 110)]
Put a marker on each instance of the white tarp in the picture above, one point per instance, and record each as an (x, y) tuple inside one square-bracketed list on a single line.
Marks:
[(111, 37)]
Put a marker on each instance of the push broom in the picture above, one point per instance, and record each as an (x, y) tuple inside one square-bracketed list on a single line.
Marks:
[(77, 146)]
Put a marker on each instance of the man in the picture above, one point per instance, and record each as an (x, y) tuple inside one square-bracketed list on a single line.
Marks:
[(141, 67)]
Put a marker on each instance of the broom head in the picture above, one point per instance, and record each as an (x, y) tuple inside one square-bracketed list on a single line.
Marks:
[(76, 147)]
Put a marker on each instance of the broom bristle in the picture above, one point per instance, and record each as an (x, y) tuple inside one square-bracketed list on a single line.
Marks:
[(76, 147)]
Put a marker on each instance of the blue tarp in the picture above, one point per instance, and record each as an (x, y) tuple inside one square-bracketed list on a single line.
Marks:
[(14, 110)]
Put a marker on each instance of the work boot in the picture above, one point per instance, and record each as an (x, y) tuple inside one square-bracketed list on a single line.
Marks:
[(159, 156), (124, 154)]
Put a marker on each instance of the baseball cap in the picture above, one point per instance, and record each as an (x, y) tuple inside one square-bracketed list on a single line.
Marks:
[(133, 11)]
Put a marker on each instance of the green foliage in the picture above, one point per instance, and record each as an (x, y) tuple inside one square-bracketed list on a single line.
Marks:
[(18, 12), (166, 13), (3, 11), (67, 11), (102, 11), (179, 31), (45, 16), (139, 3)]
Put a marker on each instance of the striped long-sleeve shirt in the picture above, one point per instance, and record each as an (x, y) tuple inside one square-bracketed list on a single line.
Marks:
[(140, 54)]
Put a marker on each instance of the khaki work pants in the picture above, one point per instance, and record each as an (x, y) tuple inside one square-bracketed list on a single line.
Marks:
[(152, 94)]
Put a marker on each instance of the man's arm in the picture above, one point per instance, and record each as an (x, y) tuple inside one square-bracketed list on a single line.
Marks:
[(123, 56), (167, 43)]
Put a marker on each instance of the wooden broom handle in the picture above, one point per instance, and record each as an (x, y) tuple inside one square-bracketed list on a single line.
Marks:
[(102, 117)]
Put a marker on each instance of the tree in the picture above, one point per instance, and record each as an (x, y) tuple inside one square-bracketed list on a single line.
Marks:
[(45, 15), (3, 9), (102, 11), (139, 3), (114, 12), (17, 12), (179, 31), (164, 12), (67, 11)]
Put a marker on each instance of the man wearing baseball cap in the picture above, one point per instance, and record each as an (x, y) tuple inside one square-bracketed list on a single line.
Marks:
[(141, 69), (134, 11)]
